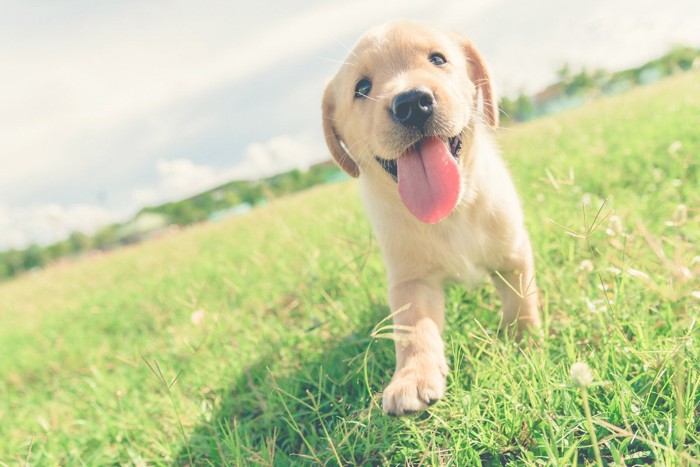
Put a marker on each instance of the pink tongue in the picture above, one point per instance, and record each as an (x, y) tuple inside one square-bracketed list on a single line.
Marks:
[(429, 180)]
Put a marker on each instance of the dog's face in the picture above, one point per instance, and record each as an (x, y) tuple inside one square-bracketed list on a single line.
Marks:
[(403, 99)]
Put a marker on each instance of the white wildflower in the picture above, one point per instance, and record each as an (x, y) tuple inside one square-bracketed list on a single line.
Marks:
[(586, 266), (197, 317), (581, 374), (587, 199), (680, 215), (674, 147), (615, 226)]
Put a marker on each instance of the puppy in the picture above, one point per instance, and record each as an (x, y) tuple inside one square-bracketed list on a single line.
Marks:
[(411, 113)]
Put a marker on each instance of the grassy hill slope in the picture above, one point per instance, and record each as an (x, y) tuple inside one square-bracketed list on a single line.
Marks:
[(263, 323)]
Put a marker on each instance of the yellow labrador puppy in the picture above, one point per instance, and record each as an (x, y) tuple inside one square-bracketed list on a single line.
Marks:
[(411, 113)]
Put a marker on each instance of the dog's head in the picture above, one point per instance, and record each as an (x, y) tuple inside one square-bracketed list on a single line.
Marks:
[(404, 99)]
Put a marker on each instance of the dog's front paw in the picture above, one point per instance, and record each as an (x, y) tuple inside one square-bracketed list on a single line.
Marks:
[(414, 387)]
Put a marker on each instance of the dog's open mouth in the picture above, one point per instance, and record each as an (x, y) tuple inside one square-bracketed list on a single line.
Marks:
[(428, 177), (390, 165)]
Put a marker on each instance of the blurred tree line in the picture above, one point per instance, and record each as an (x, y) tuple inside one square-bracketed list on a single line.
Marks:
[(572, 88), (184, 212), (200, 207)]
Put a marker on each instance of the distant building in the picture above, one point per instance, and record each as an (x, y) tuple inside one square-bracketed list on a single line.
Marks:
[(237, 210), (553, 99), (145, 225), (651, 74)]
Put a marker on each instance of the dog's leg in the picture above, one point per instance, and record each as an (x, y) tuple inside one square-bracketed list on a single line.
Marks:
[(515, 282), (421, 368)]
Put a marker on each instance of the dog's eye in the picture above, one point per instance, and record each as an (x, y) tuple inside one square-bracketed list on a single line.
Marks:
[(437, 59), (363, 88)]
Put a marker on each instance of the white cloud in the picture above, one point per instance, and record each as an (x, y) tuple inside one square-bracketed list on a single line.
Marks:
[(177, 179), (280, 154), (180, 178), (64, 82), (48, 223), (97, 68)]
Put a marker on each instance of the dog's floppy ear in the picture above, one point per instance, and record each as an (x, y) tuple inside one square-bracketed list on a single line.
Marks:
[(481, 77), (332, 140)]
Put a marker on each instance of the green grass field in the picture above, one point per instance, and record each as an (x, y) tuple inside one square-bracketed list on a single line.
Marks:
[(250, 341)]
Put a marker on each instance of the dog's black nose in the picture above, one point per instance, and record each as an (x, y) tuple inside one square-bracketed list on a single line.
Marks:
[(413, 108)]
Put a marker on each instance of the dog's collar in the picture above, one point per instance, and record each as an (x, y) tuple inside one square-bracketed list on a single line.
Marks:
[(390, 166)]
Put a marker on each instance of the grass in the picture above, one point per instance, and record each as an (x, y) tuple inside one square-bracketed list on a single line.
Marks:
[(249, 341)]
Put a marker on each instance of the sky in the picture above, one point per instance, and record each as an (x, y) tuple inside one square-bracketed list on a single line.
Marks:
[(109, 106)]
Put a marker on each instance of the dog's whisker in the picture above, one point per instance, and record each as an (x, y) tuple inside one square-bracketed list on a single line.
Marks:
[(375, 99), (340, 62), (347, 49)]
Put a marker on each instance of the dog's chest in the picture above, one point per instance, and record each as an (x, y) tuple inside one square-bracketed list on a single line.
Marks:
[(451, 250), (461, 251), (464, 247)]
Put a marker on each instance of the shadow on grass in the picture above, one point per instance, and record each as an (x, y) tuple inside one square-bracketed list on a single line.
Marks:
[(314, 405), (314, 398)]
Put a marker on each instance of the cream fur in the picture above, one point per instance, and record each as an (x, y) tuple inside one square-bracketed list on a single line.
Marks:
[(484, 235)]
